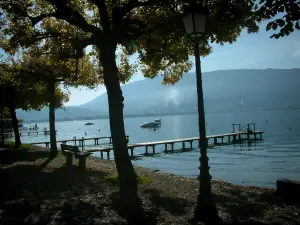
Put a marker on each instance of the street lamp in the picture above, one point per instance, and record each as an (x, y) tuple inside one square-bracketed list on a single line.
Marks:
[(194, 20)]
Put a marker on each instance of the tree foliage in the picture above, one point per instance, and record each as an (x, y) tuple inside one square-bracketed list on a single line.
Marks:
[(288, 12), (152, 28), (22, 92)]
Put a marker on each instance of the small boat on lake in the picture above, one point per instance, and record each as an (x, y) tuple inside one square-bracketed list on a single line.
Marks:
[(155, 123), (89, 124)]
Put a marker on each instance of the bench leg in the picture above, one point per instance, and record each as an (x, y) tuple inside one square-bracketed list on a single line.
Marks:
[(69, 160), (82, 161)]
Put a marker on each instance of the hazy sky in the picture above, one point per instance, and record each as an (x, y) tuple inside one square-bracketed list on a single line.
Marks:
[(251, 51)]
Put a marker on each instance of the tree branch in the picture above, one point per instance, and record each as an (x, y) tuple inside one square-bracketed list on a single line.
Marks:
[(120, 12), (64, 12), (104, 18)]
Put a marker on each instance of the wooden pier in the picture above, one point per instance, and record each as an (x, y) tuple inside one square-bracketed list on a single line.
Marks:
[(9, 135), (80, 141), (233, 138)]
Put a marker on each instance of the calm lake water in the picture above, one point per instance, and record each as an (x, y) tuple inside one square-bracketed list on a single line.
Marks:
[(260, 164)]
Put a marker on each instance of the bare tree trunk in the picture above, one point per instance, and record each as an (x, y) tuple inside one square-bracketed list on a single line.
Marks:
[(53, 150), (14, 121), (127, 176), (2, 130)]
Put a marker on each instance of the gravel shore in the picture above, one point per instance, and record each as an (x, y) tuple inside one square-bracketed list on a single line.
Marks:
[(39, 190)]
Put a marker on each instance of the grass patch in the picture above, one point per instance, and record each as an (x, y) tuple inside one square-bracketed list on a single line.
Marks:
[(11, 145), (114, 179)]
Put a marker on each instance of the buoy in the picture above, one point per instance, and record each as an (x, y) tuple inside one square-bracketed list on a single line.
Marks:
[(266, 121), (154, 129)]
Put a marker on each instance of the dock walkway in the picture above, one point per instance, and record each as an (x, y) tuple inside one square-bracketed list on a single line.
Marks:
[(28, 133), (233, 137), (80, 141)]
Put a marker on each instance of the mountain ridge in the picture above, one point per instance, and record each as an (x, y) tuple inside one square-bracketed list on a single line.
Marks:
[(224, 91)]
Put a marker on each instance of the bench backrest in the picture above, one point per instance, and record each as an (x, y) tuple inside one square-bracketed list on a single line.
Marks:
[(72, 148)]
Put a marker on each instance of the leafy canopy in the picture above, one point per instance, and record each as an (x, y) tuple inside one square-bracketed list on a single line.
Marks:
[(150, 28), (21, 92), (287, 11)]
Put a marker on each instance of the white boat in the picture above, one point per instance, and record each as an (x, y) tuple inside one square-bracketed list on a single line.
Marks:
[(155, 123)]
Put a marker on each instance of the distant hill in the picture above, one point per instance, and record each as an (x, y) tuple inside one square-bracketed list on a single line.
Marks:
[(69, 113), (224, 91)]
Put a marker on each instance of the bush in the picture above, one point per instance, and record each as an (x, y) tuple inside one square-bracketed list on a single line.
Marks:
[(115, 180)]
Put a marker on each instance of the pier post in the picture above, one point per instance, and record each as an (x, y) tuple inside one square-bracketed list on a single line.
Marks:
[(183, 145), (191, 144), (82, 140), (255, 137), (131, 152), (234, 139), (95, 141), (166, 147), (172, 144), (110, 140), (229, 139), (146, 149), (153, 149), (108, 156), (260, 136), (215, 141), (222, 140), (101, 154), (28, 133)]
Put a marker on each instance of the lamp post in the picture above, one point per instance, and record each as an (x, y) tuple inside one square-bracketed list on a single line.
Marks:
[(194, 20)]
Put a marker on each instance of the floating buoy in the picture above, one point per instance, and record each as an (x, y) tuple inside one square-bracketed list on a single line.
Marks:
[(266, 121), (154, 129)]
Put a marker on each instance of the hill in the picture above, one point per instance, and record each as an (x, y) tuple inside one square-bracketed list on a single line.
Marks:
[(224, 91)]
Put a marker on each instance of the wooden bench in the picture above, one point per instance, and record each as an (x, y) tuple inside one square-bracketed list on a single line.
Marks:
[(69, 151)]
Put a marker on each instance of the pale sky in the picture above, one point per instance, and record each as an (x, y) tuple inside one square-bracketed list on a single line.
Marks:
[(251, 51)]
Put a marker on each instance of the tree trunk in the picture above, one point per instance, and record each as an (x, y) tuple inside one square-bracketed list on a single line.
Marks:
[(2, 130), (52, 119), (14, 121), (127, 176)]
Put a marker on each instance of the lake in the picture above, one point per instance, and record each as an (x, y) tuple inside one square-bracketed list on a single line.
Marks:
[(259, 164)]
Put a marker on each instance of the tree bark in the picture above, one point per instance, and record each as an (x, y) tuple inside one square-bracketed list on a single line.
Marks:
[(127, 176), (14, 121), (2, 130), (53, 151)]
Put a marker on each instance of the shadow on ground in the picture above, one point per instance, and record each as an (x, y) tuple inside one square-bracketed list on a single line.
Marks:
[(176, 206), (10, 156), (63, 196)]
